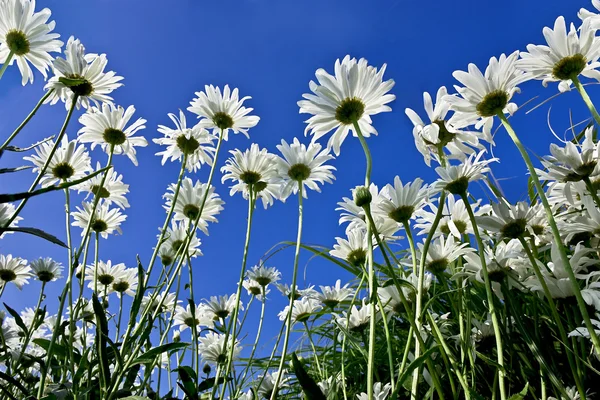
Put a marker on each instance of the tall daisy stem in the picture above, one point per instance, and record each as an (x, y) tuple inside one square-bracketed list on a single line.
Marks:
[(370, 270), (586, 99), (490, 297), (31, 114), (555, 233), (6, 63), (288, 319), (256, 340)]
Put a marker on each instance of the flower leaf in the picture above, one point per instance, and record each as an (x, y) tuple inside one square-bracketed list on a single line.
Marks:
[(36, 232), (309, 386)]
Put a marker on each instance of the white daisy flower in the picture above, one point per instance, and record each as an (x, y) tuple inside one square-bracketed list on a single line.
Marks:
[(70, 161), (351, 96), (103, 275), (126, 282), (176, 236), (301, 310), (255, 289), (567, 55), (15, 270), (267, 385), (390, 297), (82, 75), (222, 111), (508, 221), (286, 290), (456, 178), (400, 202), (264, 275), (587, 222), (7, 210), (46, 269), (26, 37), (354, 249), (113, 190), (256, 168), (380, 392), (357, 320), (302, 165), (213, 349), (593, 16), (331, 296), (105, 220), (105, 127), (168, 305), (442, 253), (484, 96), (185, 319), (189, 202), (195, 143), (482, 329), (220, 307), (431, 137), (572, 394)]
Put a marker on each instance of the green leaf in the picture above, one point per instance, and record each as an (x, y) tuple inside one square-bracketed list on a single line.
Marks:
[(70, 82), (21, 149), (415, 364), (15, 169), (18, 319), (101, 337), (309, 386), (35, 232), (210, 382), (13, 382), (521, 394), (150, 355), (187, 376)]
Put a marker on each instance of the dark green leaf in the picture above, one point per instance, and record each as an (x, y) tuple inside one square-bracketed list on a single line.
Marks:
[(20, 149), (521, 394), (13, 382), (415, 364), (210, 382), (309, 386), (36, 232), (101, 337), (187, 376), (15, 169), (18, 319), (150, 355)]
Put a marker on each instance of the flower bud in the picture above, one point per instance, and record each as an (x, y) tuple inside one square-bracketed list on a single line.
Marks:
[(362, 196)]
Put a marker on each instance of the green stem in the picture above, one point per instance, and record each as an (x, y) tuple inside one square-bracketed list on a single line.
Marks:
[(6, 63), (118, 330), (48, 160), (586, 99), (314, 349), (31, 114), (70, 288), (388, 341), (256, 340), (555, 232), (592, 190), (490, 296), (556, 317), (28, 335), (288, 319)]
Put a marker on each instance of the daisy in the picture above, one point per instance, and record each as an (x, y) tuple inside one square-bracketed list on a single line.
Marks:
[(104, 222), (301, 310), (125, 283), (593, 16), (346, 100), (254, 168), (222, 111), (442, 253), (390, 297), (331, 296), (70, 161), (168, 303), (482, 329), (255, 289), (220, 307), (26, 37), (456, 178), (567, 55), (213, 348), (268, 382), (508, 221), (113, 190), (380, 392), (354, 249), (357, 320), (175, 238), (286, 290), (7, 210), (81, 75), (103, 275), (185, 319), (439, 133), (46, 269), (15, 270), (264, 276), (195, 144), (189, 202), (400, 202), (302, 165), (484, 96), (105, 127)]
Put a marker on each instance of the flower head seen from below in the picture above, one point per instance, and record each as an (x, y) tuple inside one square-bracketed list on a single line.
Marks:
[(380, 392), (106, 127), (184, 317), (254, 169), (103, 275), (442, 252), (14, 270), (176, 237), (26, 37), (331, 296), (70, 161), (104, 222), (400, 202), (351, 96), (483, 96), (46, 269), (214, 350), (81, 75), (354, 249), (125, 283), (194, 144), (189, 203), (567, 55), (440, 133), (223, 110), (302, 310), (456, 178), (303, 165), (264, 276), (112, 191), (220, 307), (268, 381), (7, 210)]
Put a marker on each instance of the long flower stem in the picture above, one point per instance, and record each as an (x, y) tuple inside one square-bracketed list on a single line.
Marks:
[(288, 319), (48, 160), (556, 316), (490, 297), (370, 269), (30, 332), (555, 233), (6, 63), (586, 98), (26, 120), (256, 340), (314, 349), (70, 288)]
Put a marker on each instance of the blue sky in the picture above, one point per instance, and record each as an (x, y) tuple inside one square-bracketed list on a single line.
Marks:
[(270, 50)]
